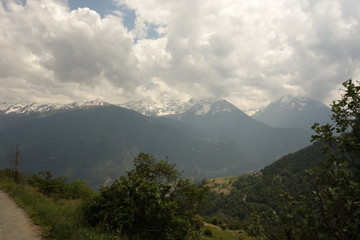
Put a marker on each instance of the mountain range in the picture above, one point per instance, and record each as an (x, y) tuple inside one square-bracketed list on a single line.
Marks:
[(222, 120), (97, 141), (294, 111), (286, 112), (23, 108)]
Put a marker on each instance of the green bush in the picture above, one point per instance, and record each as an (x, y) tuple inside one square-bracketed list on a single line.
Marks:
[(152, 202), (6, 174), (59, 188), (59, 219), (215, 221), (223, 226), (208, 232)]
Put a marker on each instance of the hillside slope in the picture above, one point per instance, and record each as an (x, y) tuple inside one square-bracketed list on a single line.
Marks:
[(290, 111), (220, 119), (98, 144)]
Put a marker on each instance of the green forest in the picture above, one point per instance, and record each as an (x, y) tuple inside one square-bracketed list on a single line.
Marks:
[(312, 194)]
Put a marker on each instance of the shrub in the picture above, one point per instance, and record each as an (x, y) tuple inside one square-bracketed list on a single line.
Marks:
[(59, 188), (152, 202), (208, 232)]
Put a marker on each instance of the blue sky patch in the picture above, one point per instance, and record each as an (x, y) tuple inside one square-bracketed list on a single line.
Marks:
[(105, 7)]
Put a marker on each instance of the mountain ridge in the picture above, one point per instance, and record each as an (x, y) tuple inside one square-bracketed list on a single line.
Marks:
[(29, 108), (99, 143), (294, 111)]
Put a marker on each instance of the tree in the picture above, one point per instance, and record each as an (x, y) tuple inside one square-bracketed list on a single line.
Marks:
[(329, 206), (152, 201), (336, 182), (15, 161)]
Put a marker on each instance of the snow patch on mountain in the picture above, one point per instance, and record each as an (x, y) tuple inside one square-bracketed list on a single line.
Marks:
[(23, 108), (210, 106), (156, 108), (290, 111), (172, 107), (289, 102), (252, 111), (203, 109)]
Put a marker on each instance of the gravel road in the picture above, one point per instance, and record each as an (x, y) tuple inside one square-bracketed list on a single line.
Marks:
[(14, 223)]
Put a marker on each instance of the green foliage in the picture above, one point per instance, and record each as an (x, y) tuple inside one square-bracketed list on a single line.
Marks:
[(58, 219), (152, 201), (223, 226), (329, 208), (6, 174), (208, 232), (255, 229), (311, 194), (336, 182), (58, 187)]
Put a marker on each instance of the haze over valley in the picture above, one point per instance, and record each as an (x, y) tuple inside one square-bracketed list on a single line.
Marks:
[(97, 141)]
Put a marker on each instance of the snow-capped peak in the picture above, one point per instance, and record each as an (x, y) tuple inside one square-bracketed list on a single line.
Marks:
[(85, 104), (155, 108), (23, 108), (210, 106), (172, 107), (289, 102)]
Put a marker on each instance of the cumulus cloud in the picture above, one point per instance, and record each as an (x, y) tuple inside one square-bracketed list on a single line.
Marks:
[(242, 49), (249, 52), (46, 47)]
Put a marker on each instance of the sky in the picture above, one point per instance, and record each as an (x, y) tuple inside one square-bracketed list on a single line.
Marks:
[(248, 52)]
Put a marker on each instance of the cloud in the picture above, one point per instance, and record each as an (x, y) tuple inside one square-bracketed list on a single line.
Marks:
[(45, 45), (237, 49), (249, 52)]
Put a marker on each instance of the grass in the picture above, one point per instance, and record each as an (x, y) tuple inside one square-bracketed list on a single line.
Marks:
[(61, 219), (219, 234), (221, 184), (58, 219)]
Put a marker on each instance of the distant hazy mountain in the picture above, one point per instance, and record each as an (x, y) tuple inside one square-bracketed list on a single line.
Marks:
[(291, 111), (222, 120), (98, 143)]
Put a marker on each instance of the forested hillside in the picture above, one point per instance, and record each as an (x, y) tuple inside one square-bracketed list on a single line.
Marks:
[(261, 191), (311, 194)]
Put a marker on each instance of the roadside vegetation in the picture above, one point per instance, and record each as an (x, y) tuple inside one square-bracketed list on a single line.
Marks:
[(59, 218), (152, 202)]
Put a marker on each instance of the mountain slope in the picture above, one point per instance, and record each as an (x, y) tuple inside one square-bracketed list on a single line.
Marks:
[(13, 113), (156, 108), (23, 108), (99, 143), (290, 111), (262, 192), (220, 119)]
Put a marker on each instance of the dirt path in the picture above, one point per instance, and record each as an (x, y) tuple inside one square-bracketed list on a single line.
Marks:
[(14, 223)]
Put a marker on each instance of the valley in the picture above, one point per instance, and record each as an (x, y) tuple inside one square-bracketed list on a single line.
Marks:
[(96, 141), (264, 200)]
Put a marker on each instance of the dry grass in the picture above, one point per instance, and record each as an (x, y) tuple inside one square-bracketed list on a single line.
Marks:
[(221, 185), (218, 233)]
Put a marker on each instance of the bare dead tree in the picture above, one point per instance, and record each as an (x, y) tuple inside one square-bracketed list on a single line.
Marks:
[(15, 162)]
